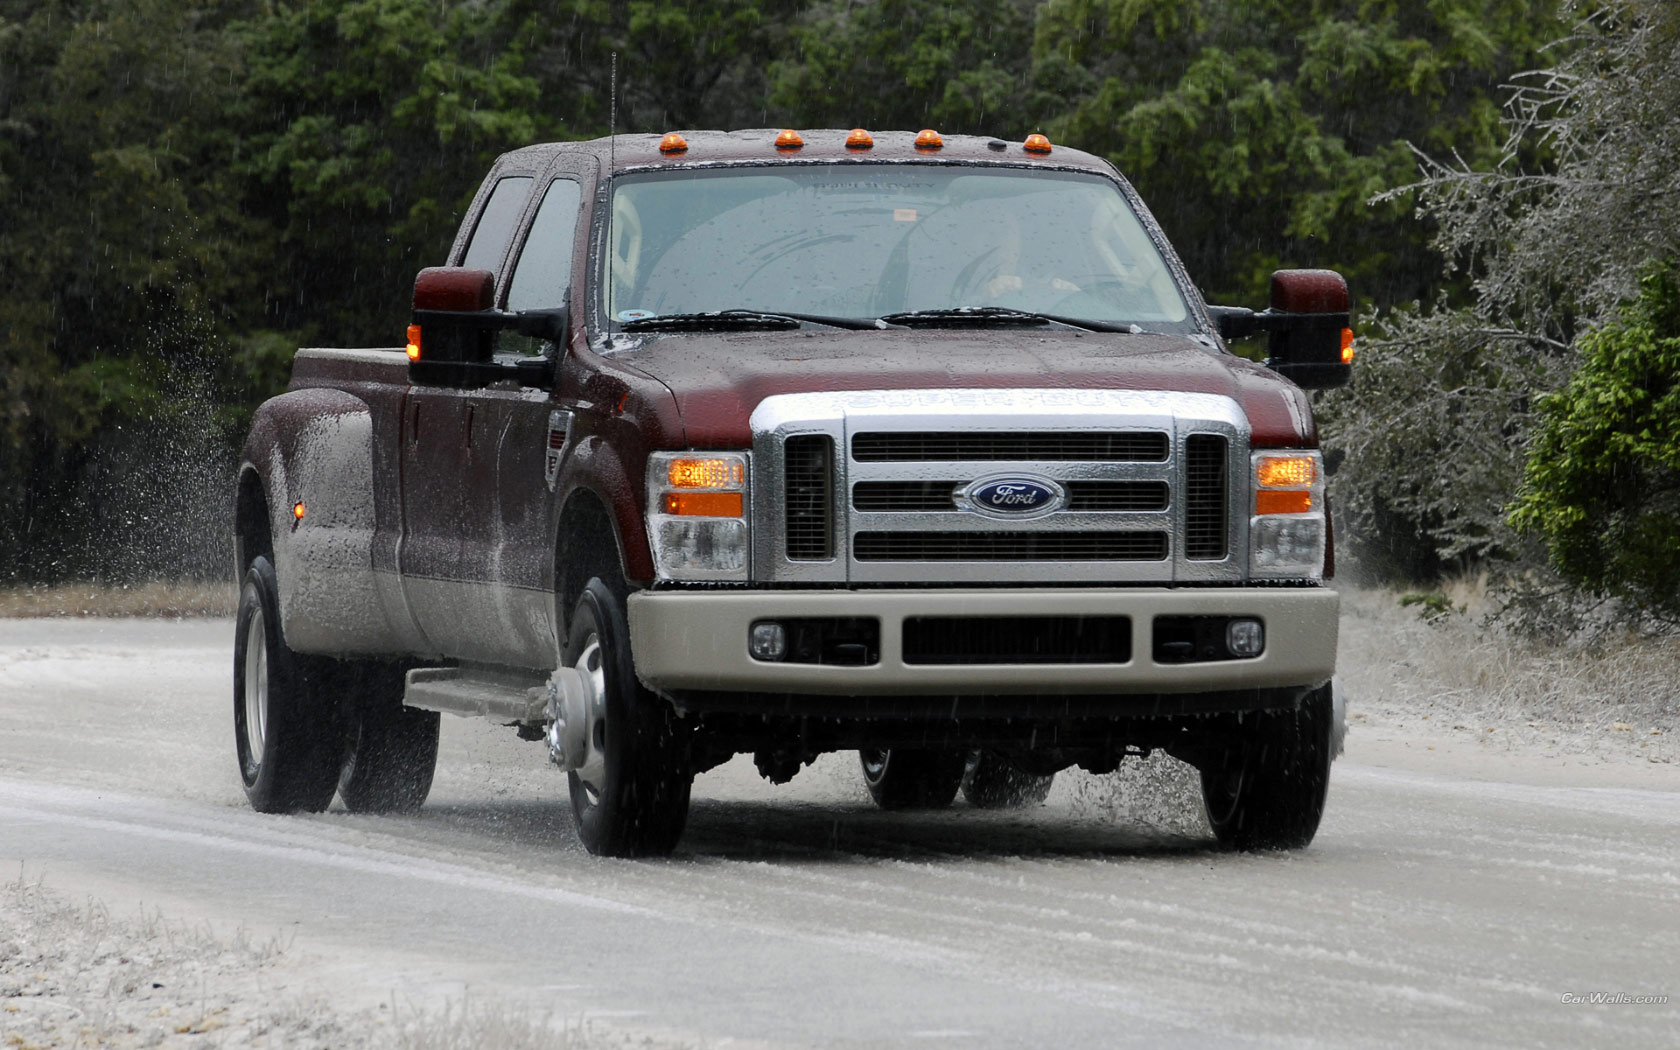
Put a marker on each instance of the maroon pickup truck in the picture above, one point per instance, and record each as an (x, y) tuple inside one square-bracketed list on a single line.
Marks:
[(717, 443)]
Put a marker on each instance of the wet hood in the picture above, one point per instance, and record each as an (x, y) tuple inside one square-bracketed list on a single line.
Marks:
[(717, 379)]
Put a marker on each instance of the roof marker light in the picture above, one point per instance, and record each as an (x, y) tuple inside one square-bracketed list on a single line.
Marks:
[(414, 342), (929, 139), (673, 143), (789, 139), (1036, 144), (858, 138)]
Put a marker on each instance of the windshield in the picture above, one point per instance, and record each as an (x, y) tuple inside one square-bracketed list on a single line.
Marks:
[(863, 241)]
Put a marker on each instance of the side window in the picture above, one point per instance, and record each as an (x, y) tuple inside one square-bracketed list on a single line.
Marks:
[(495, 224), (544, 270)]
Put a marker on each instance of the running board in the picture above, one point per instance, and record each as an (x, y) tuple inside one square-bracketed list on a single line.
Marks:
[(477, 694)]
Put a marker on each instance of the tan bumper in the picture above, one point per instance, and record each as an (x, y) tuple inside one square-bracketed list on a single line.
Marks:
[(698, 640)]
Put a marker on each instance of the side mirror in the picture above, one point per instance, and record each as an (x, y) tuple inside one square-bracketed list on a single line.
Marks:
[(1309, 338), (452, 334)]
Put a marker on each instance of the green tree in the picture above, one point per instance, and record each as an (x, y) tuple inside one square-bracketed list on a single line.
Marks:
[(1260, 130), (1602, 482)]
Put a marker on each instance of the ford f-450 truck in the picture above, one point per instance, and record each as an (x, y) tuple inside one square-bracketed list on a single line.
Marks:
[(721, 443)]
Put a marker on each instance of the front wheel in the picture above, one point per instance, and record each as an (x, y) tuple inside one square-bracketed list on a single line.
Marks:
[(630, 796), (912, 778), (1267, 789), (286, 734)]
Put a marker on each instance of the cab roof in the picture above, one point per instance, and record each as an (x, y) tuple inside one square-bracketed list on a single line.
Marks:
[(758, 145)]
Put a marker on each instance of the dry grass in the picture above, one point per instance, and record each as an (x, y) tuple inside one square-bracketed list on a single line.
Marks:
[(1457, 668), (77, 976), (157, 599)]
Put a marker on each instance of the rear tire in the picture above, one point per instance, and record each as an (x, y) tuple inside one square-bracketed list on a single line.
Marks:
[(391, 749), (912, 778), (286, 734), (992, 781), (1267, 790), (631, 801)]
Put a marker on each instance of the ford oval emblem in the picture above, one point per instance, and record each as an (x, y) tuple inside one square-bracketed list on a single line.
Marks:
[(1014, 496)]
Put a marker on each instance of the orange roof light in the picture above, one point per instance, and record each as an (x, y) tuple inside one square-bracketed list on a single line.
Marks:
[(413, 345), (929, 139), (1036, 144), (789, 139), (673, 143), (1347, 346), (859, 139)]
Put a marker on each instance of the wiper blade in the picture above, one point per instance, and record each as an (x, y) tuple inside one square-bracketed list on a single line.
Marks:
[(978, 316), (738, 319), (712, 321)]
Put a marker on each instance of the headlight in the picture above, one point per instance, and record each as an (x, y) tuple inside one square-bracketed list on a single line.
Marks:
[(1286, 529), (697, 520)]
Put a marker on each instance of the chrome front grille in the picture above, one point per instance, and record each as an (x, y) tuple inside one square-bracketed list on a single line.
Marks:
[(1009, 546), (885, 487), (917, 447)]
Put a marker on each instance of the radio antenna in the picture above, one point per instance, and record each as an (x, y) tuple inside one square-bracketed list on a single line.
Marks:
[(612, 159)]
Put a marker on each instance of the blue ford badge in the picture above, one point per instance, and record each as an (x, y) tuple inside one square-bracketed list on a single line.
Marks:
[(1014, 496)]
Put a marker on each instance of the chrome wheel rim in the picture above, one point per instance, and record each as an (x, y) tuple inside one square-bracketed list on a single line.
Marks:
[(593, 773), (874, 763), (256, 687)]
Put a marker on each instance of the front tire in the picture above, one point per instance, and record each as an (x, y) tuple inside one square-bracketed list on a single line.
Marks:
[(912, 778), (286, 735), (1266, 791), (631, 797)]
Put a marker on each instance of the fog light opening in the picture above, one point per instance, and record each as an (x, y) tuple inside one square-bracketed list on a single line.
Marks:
[(768, 641), (1245, 637)]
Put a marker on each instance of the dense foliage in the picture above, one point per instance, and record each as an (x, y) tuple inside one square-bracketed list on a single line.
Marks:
[(1444, 421), (191, 188), (1602, 484)]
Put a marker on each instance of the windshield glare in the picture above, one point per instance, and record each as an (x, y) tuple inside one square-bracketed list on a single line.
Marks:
[(862, 241)]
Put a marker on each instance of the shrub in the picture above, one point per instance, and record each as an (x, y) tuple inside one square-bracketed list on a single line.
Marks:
[(1602, 480)]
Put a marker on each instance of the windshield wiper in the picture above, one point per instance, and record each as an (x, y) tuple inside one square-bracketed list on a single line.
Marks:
[(739, 320), (989, 316)]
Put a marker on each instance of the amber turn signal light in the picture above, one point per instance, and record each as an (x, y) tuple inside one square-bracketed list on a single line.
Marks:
[(1347, 346), (673, 143), (704, 504), (929, 139), (858, 138), (1036, 144), (705, 474), (1296, 501), (1285, 472), (413, 351), (789, 139), (297, 510)]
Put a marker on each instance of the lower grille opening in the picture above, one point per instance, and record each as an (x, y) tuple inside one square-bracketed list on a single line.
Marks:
[(1010, 546), (1017, 640)]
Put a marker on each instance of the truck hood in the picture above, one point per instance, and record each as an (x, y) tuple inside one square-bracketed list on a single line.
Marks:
[(717, 379)]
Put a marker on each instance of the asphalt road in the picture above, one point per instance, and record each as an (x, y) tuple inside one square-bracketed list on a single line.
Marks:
[(1435, 909)]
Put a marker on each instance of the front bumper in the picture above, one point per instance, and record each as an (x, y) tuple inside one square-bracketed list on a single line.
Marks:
[(687, 641)]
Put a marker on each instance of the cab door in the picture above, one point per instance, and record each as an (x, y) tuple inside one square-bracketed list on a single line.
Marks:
[(507, 557), (441, 478)]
